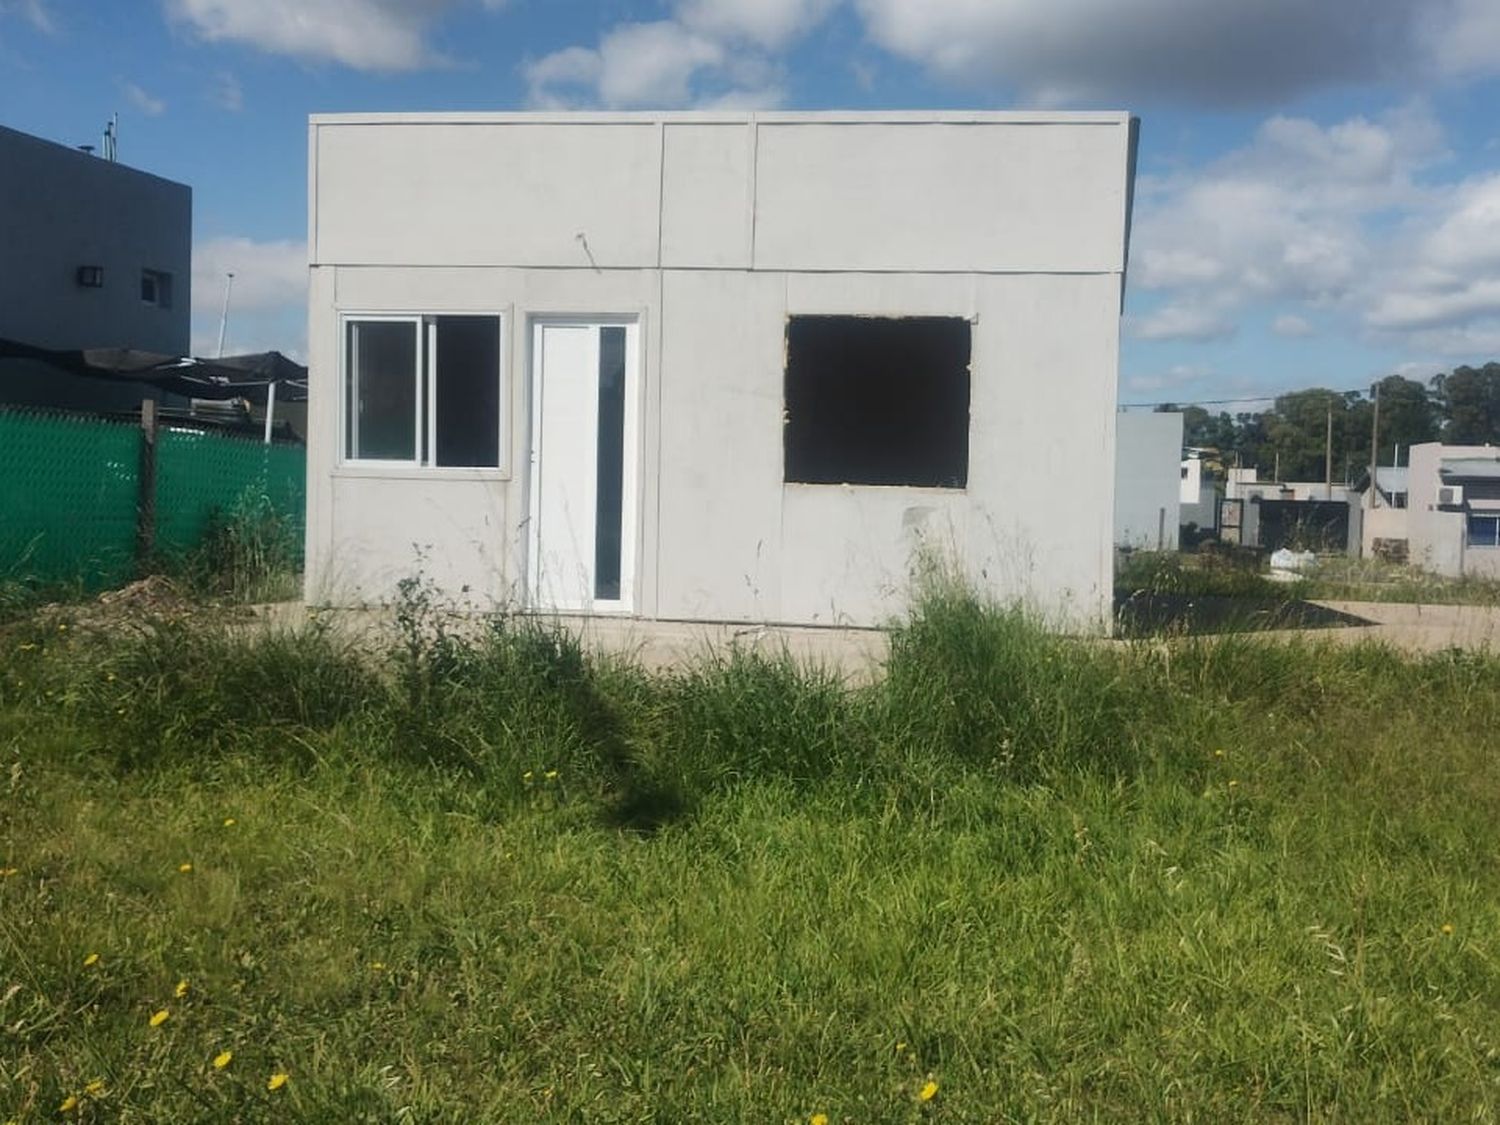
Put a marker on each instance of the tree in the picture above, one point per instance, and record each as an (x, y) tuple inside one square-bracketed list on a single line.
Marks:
[(1408, 416), (1469, 401), (1297, 427)]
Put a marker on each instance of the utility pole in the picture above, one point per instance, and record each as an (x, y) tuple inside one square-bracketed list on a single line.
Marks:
[(1328, 454), (224, 313), (1375, 449)]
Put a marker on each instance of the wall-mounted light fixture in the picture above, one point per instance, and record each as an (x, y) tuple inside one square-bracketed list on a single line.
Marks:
[(91, 277)]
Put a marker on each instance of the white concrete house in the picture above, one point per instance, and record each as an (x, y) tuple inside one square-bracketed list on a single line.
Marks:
[(718, 367), (1453, 509), (1148, 480)]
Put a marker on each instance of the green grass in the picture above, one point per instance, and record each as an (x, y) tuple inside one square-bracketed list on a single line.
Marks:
[(496, 879), (1372, 580)]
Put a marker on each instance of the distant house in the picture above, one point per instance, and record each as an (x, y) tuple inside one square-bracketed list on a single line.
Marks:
[(97, 255), (1453, 509), (1148, 480), (1310, 515), (1383, 513), (716, 366)]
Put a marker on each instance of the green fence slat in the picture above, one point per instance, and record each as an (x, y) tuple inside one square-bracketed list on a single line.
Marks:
[(199, 476), (71, 488), (68, 501)]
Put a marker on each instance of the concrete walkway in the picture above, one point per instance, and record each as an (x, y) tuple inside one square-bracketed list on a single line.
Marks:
[(859, 654), (1418, 628)]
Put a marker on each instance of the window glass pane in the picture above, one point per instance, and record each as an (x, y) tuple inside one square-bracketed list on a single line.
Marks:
[(1484, 531), (607, 534), (873, 400), (468, 391), (381, 390)]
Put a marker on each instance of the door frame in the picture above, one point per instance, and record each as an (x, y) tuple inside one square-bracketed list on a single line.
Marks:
[(630, 491)]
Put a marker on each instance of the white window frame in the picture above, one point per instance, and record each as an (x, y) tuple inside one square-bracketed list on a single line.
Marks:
[(424, 394)]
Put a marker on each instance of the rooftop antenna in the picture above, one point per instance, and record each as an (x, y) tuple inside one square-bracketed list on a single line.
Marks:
[(112, 139)]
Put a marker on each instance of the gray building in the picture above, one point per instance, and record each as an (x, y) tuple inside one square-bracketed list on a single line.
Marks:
[(94, 255)]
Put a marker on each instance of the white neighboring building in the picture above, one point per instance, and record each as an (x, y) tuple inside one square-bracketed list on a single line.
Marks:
[(716, 366), (1453, 509), (1148, 480), (1383, 521)]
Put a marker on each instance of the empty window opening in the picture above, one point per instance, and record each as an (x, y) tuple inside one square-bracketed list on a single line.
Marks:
[(881, 401), (156, 288), (423, 390)]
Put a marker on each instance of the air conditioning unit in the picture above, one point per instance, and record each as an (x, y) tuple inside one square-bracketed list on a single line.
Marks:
[(1450, 495)]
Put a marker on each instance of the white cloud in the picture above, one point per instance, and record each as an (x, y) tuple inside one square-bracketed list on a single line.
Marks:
[(227, 92), (1292, 215), (1345, 218), (1291, 326), (1181, 322), (150, 106), (768, 23), (1178, 375), (659, 64), (268, 301), (381, 35), (33, 12), (1235, 53)]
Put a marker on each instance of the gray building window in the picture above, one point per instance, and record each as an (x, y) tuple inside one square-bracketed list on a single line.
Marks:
[(1484, 529), (156, 288)]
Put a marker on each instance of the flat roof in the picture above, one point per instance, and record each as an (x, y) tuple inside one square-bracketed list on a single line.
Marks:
[(734, 117)]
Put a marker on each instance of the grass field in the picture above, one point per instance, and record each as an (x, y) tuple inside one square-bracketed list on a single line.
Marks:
[(494, 879)]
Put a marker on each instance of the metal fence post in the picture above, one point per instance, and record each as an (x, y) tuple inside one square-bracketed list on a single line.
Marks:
[(145, 523)]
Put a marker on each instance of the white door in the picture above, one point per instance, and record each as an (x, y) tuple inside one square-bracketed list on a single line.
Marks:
[(583, 465)]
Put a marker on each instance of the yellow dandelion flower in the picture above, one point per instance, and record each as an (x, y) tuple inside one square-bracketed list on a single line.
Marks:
[(818, 1119), (160, 1018), (185, 868), (91, 960), (61, 627), (181, 990), (95, 1089), (278, 1080), (109, 678), (550, 775), (69, 1104), (929, 1091), (900, 1047), (377, 966), (1447, 927), (223, 1059), (526, 776), (1234, 783), (1218, 753), (230, 822)]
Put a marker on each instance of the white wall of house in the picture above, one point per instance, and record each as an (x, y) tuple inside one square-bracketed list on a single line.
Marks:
[(1437, 536), (1148, 480), (709, 231)]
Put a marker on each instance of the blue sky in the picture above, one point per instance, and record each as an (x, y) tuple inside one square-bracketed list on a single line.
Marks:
[(1318, 198)]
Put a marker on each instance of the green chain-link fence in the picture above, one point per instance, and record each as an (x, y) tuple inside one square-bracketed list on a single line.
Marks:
[(71, 493)]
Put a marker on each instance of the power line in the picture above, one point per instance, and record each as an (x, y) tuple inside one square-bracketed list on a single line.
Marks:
[(1227, 401)]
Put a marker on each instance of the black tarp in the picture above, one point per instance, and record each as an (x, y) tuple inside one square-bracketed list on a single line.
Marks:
[(229, 377)]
